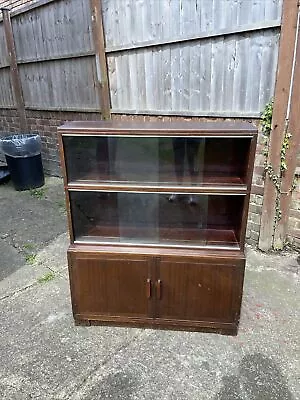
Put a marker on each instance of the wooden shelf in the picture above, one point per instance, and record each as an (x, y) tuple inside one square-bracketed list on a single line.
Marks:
[(202, 238), (208, 189), (212, 178), (209, 184)]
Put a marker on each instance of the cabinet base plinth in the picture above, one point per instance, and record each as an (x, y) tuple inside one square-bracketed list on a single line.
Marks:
[(199, 326), (82, 322)]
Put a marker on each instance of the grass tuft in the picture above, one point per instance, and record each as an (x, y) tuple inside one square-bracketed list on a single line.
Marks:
[(30, 258), (47, 277), (38, 193), (28, 246)]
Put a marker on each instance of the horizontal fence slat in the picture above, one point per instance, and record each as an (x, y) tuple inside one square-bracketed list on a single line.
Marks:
[(28, 7), (215, 114), (54, 58), (63, 108), (203, 35)]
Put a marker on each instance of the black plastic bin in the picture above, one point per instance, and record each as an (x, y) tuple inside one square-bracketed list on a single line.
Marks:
[(24, 161)]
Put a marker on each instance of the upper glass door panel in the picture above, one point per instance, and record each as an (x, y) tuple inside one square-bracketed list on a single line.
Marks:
[(165, 161)]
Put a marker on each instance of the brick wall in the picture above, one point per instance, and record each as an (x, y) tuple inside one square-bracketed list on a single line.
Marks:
[(256, 197), (9, 123), (46, 123), (294, 220)]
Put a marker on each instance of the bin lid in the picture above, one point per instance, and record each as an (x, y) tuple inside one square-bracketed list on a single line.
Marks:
[(21, 145)]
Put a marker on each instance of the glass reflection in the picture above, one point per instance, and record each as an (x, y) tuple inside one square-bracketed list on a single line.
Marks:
[(151, 218), (154, 160), (186, 148)]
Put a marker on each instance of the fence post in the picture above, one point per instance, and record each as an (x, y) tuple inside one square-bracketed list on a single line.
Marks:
[(101, 64), (291, 154), (281, 99), (14, 71)]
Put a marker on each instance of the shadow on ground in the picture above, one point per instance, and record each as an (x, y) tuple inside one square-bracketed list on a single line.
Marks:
[(258, 378)]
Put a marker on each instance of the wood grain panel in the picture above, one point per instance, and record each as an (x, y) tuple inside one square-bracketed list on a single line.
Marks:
[(59, 83), (196, 291), (6, 92), (4, 59), (58, 28), (110, 285), (157, 128)]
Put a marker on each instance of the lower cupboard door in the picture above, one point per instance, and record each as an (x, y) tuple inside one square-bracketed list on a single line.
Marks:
[(110, 286), (199, 292)]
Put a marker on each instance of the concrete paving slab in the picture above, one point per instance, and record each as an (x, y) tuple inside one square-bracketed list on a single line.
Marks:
[(54, 256), (31, 219), (10, 259), (42, 353), (51, 259)]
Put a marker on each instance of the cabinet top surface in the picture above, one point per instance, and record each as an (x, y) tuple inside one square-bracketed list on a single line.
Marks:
[(186, 128)]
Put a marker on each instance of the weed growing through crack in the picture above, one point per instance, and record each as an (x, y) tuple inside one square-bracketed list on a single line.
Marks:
[(61, 204), (46, 278), (28, 246), (30, 258), (38, 193)]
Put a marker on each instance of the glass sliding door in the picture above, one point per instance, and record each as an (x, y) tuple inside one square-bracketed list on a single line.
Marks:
[(166, 219)]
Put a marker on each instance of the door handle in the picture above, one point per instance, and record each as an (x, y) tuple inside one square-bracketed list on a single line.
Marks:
[(158, 289), (148, 288)]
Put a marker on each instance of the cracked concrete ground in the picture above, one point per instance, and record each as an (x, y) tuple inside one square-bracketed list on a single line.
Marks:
[(44, 356)]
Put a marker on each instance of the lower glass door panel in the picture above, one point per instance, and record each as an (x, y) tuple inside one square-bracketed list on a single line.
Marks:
[(156, 218)]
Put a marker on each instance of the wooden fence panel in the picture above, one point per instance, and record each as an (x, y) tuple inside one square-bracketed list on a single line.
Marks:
[(62, 84), (184, 57), (4, 60), (59, 28), (134, 21), (55, 56), (232, 76), (6, 93)]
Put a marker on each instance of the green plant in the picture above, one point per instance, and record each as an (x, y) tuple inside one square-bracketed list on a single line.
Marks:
[(30, 258), (266, 118), (266, 124), (38, 193), (285, 145), (28, 246), (47, 277)]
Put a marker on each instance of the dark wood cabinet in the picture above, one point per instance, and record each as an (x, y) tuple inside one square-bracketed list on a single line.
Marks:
[(157, 216)]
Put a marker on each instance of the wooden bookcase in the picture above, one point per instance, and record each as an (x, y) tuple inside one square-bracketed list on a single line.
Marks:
[(157, 218)]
